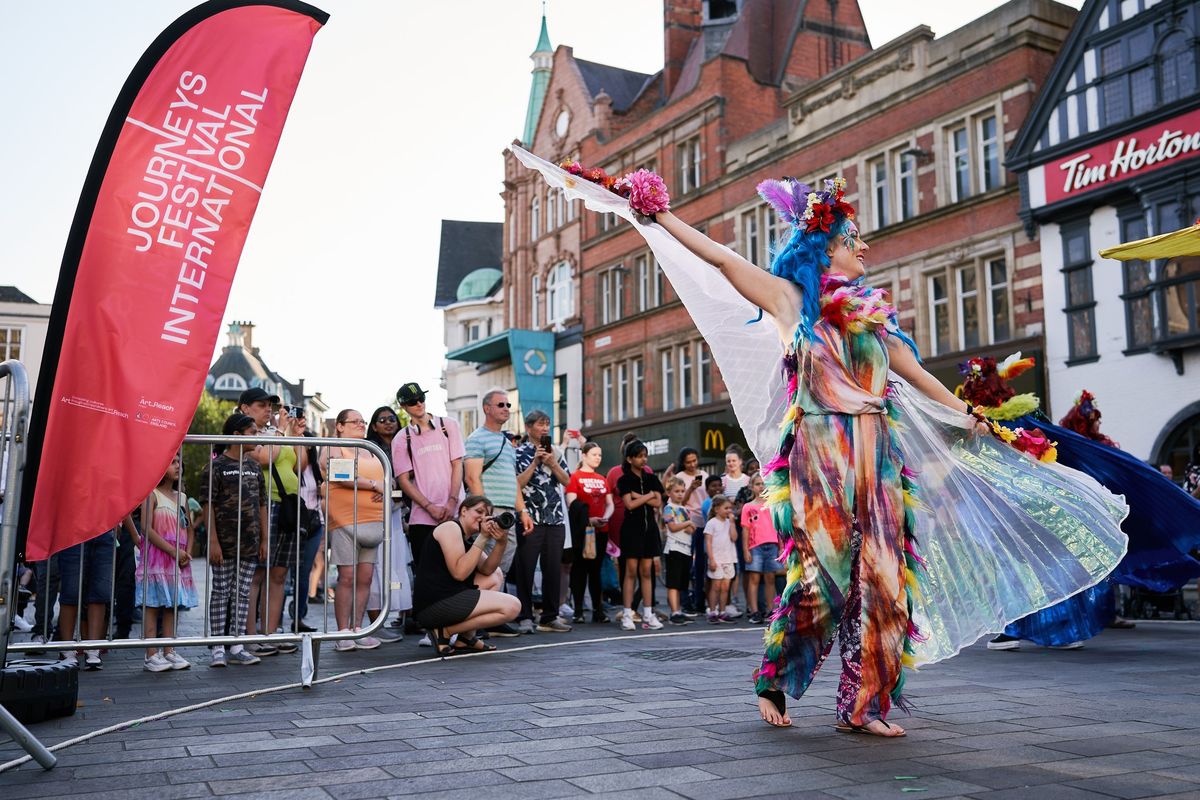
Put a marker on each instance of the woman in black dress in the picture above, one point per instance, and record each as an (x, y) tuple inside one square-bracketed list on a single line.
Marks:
[(641, 545), (458, 585)]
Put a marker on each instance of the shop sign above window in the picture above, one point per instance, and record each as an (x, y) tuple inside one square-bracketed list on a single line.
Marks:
[(1115, 160)]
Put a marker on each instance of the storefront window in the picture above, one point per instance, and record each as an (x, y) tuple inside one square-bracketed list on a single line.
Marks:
[(1081, 305)]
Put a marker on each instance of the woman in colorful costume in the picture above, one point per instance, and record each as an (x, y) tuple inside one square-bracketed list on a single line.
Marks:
[(1163, 523), (844, 447)]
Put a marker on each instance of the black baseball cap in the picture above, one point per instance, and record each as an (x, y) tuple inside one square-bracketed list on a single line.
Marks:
[(410, 393), (254, 394)]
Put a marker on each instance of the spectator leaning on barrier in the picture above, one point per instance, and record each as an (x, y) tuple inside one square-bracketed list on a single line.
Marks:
[(541, 474), (354, 506), (235, 513), (428, 458)]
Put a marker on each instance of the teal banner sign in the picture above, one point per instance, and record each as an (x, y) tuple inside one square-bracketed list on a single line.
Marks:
[(533, 364)]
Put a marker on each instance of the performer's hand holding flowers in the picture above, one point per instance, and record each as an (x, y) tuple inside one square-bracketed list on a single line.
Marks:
[(645, 190)]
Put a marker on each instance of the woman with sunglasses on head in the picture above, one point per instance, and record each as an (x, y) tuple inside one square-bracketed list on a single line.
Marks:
[(354, 510), (382, 431)]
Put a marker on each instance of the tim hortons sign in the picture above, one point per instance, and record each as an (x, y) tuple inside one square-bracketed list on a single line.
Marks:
[(1115, 160)]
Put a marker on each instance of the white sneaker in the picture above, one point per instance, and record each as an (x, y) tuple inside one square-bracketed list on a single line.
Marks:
[(526, 626), (565, 611), (157, 663), (627, 621), (177, 661), (344, 645), (22, 624), (91, 659), (217, 659), (732, 611), (425, 641), (366, 643), (68, 658), (650, 620)]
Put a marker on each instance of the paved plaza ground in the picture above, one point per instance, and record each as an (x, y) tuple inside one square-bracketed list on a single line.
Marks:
[(639, 716)]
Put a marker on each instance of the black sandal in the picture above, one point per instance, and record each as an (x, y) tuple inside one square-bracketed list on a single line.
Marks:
[(472, 644), (441, 642), (777, 699), (846, 727)]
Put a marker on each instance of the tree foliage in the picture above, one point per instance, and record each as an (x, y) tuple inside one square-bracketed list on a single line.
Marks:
[(210, 418)]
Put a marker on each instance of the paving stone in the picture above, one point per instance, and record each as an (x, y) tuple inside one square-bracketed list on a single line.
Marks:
[(790, 784), (931, 786), (1135, 785), (638, 779), (569, 768)]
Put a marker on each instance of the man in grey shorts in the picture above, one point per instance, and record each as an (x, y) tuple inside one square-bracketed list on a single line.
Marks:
[(491, 470)]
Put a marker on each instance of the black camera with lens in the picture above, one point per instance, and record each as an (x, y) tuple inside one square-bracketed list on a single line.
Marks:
[(505, 519)]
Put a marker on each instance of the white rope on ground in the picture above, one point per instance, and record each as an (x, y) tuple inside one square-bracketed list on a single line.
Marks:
[(173, 712)]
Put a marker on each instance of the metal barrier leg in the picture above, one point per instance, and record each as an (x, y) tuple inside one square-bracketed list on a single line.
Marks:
[(20, 735), (310, 657)]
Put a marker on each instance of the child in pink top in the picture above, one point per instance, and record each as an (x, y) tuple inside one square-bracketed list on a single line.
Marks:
[(762, 551)]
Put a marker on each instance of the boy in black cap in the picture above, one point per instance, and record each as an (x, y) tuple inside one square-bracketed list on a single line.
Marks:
[(236, 515)]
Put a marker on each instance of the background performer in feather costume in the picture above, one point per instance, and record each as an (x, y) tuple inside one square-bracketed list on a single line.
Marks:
[(901, 580)]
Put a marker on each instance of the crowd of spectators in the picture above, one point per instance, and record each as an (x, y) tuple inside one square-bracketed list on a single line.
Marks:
[(492, 536)]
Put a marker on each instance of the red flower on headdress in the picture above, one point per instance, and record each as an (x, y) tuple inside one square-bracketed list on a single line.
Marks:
[(822, 219)]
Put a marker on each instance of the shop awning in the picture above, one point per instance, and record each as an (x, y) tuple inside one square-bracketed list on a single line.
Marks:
[(1176, 244), (484, 351)]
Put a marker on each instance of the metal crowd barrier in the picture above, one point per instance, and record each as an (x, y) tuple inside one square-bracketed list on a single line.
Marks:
[(46, 592)]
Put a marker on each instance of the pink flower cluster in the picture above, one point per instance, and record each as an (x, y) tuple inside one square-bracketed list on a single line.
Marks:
[(647, 192)]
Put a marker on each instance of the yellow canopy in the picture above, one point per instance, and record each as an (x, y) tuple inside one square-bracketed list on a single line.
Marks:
[(1176, 244)]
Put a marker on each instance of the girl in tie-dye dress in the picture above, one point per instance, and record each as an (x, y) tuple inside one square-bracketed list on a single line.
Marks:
[(908, 532)]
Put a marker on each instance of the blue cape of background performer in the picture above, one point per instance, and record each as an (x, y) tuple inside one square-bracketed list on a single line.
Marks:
[(1163, 528)]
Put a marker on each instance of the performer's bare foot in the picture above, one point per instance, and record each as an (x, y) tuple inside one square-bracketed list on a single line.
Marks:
[(773, 714), (875, 727)]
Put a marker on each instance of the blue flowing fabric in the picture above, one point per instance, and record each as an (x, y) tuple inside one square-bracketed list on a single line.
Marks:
[(1163, 527), (1163, 523)]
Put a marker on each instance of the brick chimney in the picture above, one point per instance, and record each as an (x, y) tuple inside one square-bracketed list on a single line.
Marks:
[(682, 20)]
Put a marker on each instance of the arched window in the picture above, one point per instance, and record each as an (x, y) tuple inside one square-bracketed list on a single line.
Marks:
[(536, 289), (1177, 65), (535, 218), (231, 382), (560, 299), (551, 208)]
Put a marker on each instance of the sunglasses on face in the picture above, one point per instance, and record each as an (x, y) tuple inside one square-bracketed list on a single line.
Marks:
[(355, 422), (410, 403), (386, 420), (502, 405)]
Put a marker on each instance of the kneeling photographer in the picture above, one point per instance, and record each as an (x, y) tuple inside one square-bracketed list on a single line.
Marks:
[(458, 588)]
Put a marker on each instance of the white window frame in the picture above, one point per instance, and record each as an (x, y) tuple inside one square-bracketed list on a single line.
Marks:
[(637, 406), (622, 390), (907, 192), (984, 145), (535, 217), (229, 382), (960, 300), (667, 358), (992, 288), (934, 305), (958, 153), (612, 294), (704, 371), (687, 377), (606, 398), (535, 288), (551, 210), (690, 157), (560, 297), (881, 193)]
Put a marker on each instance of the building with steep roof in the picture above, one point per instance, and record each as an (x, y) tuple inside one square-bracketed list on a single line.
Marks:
[(536, 353), (1111, 153), (470, 294), (752, 89), (23, 326), (240, 366)]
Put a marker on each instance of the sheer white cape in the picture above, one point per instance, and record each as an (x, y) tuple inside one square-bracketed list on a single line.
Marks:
[(1002, 535)]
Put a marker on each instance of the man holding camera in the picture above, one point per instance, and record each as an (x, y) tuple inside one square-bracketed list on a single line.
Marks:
[(541, 474)]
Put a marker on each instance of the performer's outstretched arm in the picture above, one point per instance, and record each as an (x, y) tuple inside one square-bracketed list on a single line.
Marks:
[(905, 364), (778, 297)]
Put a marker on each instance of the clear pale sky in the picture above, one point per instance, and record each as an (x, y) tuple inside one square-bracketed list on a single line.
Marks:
[(400, 121)]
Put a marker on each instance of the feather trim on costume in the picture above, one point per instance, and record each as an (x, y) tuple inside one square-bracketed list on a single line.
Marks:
[(1013, 408)]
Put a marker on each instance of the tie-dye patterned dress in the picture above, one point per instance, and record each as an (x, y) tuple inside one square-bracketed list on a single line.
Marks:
[(838, 484)]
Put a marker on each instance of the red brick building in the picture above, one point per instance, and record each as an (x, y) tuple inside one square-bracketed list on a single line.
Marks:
[(757, 89)]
